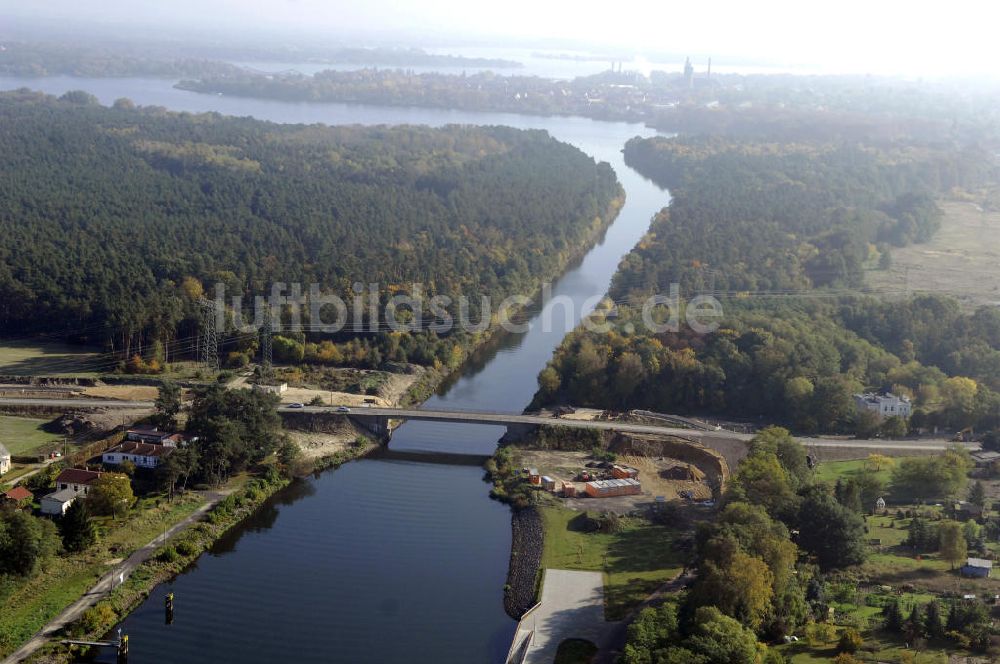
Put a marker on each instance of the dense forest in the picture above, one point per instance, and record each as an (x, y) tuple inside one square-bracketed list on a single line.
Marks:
[(174, 60), (782, 234), (117, 220), (484, 91), (48, 59)]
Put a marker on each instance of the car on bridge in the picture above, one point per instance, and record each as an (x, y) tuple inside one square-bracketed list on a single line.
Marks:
[(343, 409), (296, 405)]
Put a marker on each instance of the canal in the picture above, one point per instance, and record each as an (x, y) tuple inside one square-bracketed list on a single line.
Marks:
[(381, 561)]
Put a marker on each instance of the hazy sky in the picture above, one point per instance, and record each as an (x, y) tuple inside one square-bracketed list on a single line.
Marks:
[(882, 36)]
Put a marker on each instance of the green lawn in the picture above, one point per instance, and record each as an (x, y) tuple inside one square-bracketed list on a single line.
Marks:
[(34, 358), (879, 647), (635, 561), (831, 471), (24, 435)]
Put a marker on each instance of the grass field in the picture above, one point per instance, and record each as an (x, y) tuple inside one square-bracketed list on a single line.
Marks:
[(24, 435), (962, 259), (831, 471), (32, 358), (878, 648), (635, 561)]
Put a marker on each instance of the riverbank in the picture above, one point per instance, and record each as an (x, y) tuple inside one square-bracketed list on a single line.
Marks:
[(167, 555), (527, 542), (157, 562)]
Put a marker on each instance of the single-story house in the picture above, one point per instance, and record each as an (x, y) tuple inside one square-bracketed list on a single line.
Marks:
[(143, 455), (18, 496), (57, 503), (76, 479), (977, 567), (965, 510), (152, 435), (4, 459)]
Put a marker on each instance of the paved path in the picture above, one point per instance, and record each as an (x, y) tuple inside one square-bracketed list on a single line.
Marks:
[(104, 585), (572, 606)]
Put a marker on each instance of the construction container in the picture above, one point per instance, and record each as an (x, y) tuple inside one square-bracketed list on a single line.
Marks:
[(548, 483), (569, 489), (624, 472), (614, 487)]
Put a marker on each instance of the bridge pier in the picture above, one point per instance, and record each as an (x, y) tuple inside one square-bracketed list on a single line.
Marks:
[(518, 432), (378, 425)]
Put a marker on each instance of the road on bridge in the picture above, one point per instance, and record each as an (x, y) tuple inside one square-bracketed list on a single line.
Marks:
[(508, 419)]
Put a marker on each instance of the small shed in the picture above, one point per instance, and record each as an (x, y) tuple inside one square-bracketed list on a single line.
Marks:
[(533, 476), (57, 503), (569, 489), (978, 568), (548, 483)]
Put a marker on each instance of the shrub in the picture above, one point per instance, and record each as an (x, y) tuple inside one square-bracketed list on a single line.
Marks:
[(98, 617), (187, 548), (850, 641), (168, 554)]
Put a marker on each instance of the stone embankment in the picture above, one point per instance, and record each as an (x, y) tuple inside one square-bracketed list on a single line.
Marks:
[(525, 561)]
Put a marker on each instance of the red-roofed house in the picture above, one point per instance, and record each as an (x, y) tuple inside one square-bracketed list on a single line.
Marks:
[(143, 455), (18, 495)]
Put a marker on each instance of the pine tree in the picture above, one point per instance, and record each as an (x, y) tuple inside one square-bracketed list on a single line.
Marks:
[(917, 535), (954, 622), (977, 494), (914, 626), (892, 616), (933, 627), (76, 528)]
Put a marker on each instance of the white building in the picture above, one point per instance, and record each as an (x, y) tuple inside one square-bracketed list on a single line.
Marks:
[(76, 480), (57, 503), (4, 459), (143, 455), (884, 405)]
